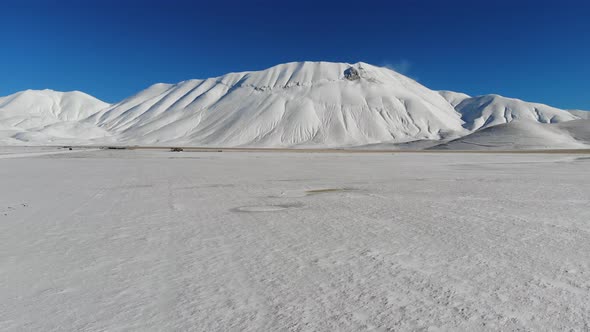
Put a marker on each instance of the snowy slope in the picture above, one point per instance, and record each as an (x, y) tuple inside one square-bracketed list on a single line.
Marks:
[(578, 129), (454, 98), (489, 110), (524, 135), (581, 114), (293, 104), (42, 116)]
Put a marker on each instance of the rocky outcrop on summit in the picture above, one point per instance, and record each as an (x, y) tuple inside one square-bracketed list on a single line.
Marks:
[(352, 74)]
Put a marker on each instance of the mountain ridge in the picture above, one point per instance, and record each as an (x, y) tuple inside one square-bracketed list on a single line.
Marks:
[(296, 104)]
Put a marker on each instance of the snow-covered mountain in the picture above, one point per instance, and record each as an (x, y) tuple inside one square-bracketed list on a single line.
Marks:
[(37, 108), (490, 110), (47, 116), (296, 104)]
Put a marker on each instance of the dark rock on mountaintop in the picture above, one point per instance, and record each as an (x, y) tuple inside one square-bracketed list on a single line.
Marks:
[(351, 74)]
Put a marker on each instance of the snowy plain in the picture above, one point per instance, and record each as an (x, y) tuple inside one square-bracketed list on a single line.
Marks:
[(252, 241)]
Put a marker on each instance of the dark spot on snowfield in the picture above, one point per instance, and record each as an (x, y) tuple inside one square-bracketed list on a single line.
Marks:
[(267, 208), (326, 190), (131, 186), (303, 193)]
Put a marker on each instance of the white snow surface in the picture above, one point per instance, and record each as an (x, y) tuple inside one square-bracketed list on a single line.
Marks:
[(161, 241), (298, 104)]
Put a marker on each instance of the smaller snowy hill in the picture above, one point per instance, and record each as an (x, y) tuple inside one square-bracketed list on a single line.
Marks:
[(490, 110), (525, 135), (578, 129), (40, 116), (36, 108), (581, 114)]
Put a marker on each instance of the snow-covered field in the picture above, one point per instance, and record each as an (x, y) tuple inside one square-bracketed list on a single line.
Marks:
[(207, 241)]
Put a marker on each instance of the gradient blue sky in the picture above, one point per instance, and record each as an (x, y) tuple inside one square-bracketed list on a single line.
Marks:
[(533, 50)]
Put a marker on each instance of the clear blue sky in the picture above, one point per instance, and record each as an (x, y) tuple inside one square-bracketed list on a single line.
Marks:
[(533, 50)]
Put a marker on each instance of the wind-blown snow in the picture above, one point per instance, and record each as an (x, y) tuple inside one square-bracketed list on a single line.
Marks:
[(299, 104)]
